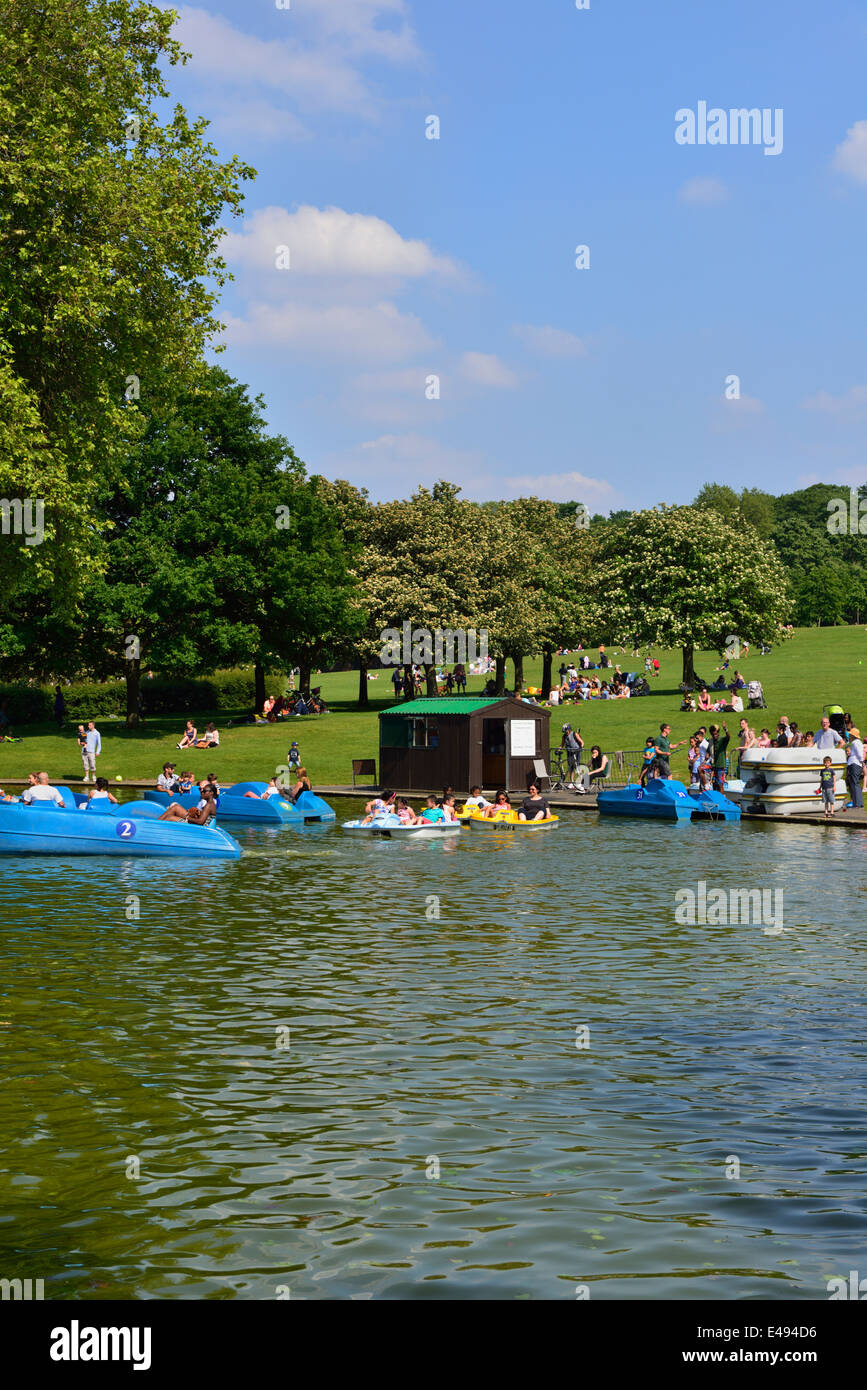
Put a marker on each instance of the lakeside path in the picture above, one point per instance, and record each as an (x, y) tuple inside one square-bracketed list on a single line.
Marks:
[(818, 666)]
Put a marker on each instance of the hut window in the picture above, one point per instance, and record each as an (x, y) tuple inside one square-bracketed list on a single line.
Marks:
[(425, 733)]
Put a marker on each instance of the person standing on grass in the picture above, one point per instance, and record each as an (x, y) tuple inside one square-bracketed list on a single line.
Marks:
[(92, 750), (81, 739), (855, 769)]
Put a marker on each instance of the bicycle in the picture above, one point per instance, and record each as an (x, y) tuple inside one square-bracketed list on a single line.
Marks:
[(559, 768)]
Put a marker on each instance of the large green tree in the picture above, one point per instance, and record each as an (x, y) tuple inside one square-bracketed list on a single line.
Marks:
[(110, 219), (683, 577)]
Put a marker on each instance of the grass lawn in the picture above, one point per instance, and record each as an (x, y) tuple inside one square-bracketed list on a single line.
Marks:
[(818, 666)]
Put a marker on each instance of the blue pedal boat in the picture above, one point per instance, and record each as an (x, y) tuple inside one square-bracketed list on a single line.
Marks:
[(665, 799), (130, 831), (309, 809)]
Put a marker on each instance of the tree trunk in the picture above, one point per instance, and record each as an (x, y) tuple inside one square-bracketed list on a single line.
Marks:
[(133, 680), (547, 666), (688, 664), (362, 686), (430, 673), (259, 684), (305, 669), (518, 662), (500, 675)]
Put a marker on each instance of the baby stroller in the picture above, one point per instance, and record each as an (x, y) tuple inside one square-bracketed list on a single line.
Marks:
[(756, 696)]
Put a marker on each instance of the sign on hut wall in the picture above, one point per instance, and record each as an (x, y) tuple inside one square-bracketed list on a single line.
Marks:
[(523, 738)]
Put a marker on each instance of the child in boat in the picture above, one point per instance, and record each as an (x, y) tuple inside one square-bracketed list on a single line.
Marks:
[(433, 811), (405, 812), (827, 787), (475, 800), (448, 805), (502, 805), (378, 806), (186, 782)]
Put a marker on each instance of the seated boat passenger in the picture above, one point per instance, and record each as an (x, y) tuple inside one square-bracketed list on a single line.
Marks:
[(41, 791), (405, 812), (433, 811), (303, 784), (98, 793), (534, 806), (186, 782), (378, 806), (167, 781), (502, 805), (448, 805), (273, 789), (475, 800), (199, 815)]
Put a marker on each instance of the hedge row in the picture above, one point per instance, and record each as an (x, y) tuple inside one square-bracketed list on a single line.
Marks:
[(34, 704)]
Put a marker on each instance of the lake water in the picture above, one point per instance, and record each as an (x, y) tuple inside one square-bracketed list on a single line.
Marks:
[(273, 1162)]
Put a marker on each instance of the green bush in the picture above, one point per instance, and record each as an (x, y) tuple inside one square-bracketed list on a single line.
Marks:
[(34, 704)]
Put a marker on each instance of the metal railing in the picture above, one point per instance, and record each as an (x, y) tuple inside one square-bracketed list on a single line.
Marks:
[(624, 766)]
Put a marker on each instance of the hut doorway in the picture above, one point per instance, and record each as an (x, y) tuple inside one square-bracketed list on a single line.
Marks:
[(495, 768)]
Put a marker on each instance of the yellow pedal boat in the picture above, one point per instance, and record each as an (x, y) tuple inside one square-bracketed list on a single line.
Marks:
[(503, 820)]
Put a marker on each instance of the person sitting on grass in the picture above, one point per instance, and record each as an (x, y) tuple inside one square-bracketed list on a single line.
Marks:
[(199, 815), (534, 806), (704, 701), (190, 735), (433, 811), (502, 805), (98, 793), (378, 806), (827, 786), (210, 738)]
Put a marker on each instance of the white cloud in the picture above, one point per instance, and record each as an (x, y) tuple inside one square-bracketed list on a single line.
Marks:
[(486, 369), (563, 487), (850, 157), (317, 67), (332, 331), (331, 241), (851, 403), (393, 465), (703, 190), (547, 341)]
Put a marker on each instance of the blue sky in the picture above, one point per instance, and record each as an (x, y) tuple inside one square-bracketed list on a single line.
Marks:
[(410, 257)]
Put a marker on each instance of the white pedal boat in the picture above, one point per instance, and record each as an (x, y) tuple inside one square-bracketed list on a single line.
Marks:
[(785, 781), (781, 765), (388, 827)]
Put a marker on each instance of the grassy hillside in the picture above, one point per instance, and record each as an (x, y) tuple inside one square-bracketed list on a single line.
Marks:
[(818, 666)]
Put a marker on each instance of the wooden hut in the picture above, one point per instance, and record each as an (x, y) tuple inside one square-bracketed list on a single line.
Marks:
[(461, 741)]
